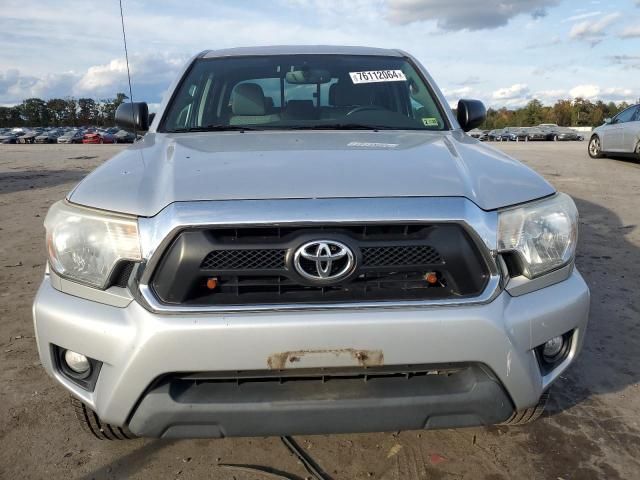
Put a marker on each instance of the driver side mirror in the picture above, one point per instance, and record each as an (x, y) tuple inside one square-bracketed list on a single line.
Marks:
[(608, 121), (471, 113), (133, 116)]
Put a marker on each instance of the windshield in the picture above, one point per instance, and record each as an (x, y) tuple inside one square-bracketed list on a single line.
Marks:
[(303, 91)]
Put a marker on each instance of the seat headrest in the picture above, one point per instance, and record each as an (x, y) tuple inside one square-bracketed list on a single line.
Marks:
[(344, 93), (248, 99)]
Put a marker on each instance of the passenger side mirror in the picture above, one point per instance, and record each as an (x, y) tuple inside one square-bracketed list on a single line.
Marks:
[(471, 113), (133, 116), (607, 121)]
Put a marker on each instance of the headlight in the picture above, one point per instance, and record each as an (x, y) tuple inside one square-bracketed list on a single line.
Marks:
[(85, 245), (544, 234)]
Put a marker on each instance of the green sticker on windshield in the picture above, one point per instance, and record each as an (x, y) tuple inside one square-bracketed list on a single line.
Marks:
[(430, 122)]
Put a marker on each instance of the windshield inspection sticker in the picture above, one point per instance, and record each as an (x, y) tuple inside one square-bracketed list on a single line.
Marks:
[(430, 122), (375, 76)]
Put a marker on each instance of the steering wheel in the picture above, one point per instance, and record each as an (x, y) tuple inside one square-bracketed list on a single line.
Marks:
[(364, 108)]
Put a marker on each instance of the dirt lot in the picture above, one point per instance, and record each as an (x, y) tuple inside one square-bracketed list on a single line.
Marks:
[(591, 431)]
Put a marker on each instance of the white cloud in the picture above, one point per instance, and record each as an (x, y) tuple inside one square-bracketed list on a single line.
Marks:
[(593, 31), (465, 14), (516, 91), (631, 32), (16, 86), (585, 91), (457, 92), (549, 97), (150, 71), (514, 96), (595, 92), (454, 94), (581, 16)]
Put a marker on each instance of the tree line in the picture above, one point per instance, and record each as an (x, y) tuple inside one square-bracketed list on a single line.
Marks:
[(62, 112), (74, 112), (566, 113)]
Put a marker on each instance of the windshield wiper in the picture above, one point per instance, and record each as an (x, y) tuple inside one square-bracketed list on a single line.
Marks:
[(338, 126), (213, 128)]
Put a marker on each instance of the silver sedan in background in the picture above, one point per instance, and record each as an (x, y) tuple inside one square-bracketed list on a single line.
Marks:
[(619, 135)]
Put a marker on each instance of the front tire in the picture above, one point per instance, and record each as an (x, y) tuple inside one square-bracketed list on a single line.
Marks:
[(528, 415), (595, 147), (91, 423)]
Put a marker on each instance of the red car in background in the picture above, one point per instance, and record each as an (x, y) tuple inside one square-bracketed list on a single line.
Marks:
[(98, 137)]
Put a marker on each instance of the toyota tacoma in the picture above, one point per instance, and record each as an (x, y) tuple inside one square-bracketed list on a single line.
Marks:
[(305, 241)]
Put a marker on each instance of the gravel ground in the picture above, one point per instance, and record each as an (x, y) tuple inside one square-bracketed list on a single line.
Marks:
[(592, 430)]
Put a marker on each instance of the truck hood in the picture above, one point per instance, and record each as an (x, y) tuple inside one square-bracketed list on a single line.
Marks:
[(166, 168)]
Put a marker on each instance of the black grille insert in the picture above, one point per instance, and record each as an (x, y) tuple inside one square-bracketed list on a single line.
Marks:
[(244, 259), (254, 265), (400, 256)]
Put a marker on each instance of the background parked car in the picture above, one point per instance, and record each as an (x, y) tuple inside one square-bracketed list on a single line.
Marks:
[(493, 135), (122, 136), (99, 136), (508, 135), (73, 136), (30, 135), (50, 136), (564, 134), (620, 135), (8, 137), (521, 134), (535, 134)]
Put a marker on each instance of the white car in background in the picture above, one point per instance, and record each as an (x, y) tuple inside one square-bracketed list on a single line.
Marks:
[(619, 135)]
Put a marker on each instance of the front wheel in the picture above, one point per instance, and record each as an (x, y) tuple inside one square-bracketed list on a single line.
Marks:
[(528, 415), (91, 423), (595, 149)]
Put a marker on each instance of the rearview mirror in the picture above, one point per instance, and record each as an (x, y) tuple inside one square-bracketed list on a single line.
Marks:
[(471, 113), (133, 116), (308, 76)]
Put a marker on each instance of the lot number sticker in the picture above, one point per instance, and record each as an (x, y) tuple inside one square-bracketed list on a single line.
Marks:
[(375, 76)]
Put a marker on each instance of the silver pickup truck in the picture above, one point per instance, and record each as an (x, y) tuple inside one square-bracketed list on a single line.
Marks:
[(306, 241)]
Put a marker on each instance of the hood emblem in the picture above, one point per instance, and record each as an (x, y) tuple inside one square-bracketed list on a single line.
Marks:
[(324, 261)]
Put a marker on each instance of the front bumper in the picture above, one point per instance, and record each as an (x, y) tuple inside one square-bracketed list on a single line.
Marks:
[(138, 347)]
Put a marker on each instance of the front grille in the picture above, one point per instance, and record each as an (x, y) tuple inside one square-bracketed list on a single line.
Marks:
[(245, 266), (267, 259), (321, 375), (390, 256), (244, 259)]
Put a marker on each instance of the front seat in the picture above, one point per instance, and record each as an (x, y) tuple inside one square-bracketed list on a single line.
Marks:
[(248, 106), (344, 97)]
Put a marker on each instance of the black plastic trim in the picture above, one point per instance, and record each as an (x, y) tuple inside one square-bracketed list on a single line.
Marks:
[(547, 366), (86, 381), (459, 264), (179, 406)]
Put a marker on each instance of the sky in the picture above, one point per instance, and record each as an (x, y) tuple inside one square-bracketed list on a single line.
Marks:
[(503, 52)]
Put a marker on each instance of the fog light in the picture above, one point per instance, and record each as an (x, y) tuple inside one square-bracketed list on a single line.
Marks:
[(76, 362), (552, 348)]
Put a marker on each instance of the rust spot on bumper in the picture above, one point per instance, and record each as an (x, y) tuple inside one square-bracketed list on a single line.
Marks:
[(326, 358)]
